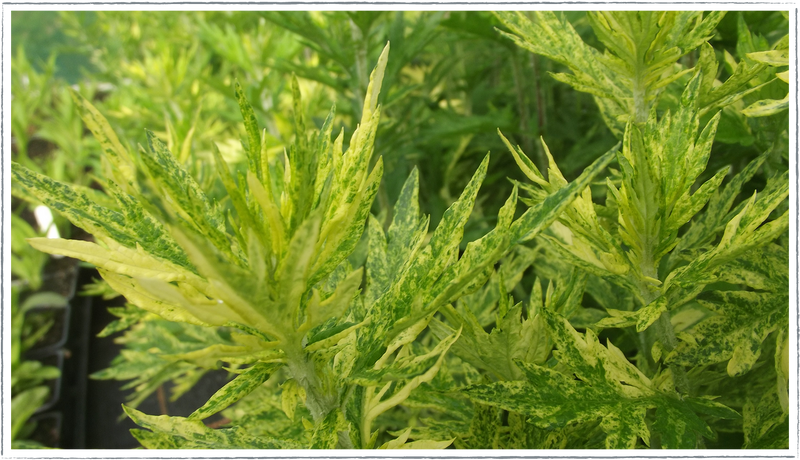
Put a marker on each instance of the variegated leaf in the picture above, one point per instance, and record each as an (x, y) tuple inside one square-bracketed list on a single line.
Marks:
[(601, 385), (744, 318), (235, 390), (197, 436), (253, 136), (401, 443), (326, 434), (766, 425), (120, 164), (407, 367), (187, 199), (117, 258)]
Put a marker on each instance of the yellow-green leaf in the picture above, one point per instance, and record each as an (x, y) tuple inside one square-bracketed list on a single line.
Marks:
[(767, 107), (199, 436), (235, 390), (401, 443), (117, 258), (775, 58), (291, 392)]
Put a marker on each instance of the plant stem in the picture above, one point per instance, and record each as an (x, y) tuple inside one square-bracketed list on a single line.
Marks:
[(219, 423), (665, 334), (319, 399), (663, 326), (162, 400), (541, 113), (639, 97), (366, 422)]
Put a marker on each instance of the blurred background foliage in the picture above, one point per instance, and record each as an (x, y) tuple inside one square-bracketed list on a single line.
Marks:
[(452, 81)]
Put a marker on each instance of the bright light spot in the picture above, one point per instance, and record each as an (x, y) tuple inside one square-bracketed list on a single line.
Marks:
[(52, 233), (44, 218), (105, 87)]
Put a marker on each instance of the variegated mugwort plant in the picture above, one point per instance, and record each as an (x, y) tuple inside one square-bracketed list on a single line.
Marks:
[(273, 272), (419, 341)]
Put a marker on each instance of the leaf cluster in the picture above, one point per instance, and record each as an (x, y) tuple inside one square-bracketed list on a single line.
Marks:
[(346, 327)]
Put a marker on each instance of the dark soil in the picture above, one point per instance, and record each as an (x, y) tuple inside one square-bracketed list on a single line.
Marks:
[(39, 149), (77, 233), (48, 429), (726, 441), (60, 276)]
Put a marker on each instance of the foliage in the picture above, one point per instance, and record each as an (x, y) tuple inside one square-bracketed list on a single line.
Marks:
[(27, 263), (345, 322), (28, 391), (282, 277), (47, 133), (633, 241)]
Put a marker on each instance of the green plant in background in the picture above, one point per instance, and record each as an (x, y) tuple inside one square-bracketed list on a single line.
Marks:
[(172, 73), (47, 134), (40, 33), (759, 62), (28, 392), (401, 337), (162, 81), (440, 111), (46, 128), (27, 263), (32, 96), (45, 138)]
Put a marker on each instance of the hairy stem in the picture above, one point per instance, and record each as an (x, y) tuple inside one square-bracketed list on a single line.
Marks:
[(639, 101), (320, 399), (665, 334)]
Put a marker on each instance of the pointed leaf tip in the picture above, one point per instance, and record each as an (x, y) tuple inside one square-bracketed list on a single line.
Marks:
[(375, 82)]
